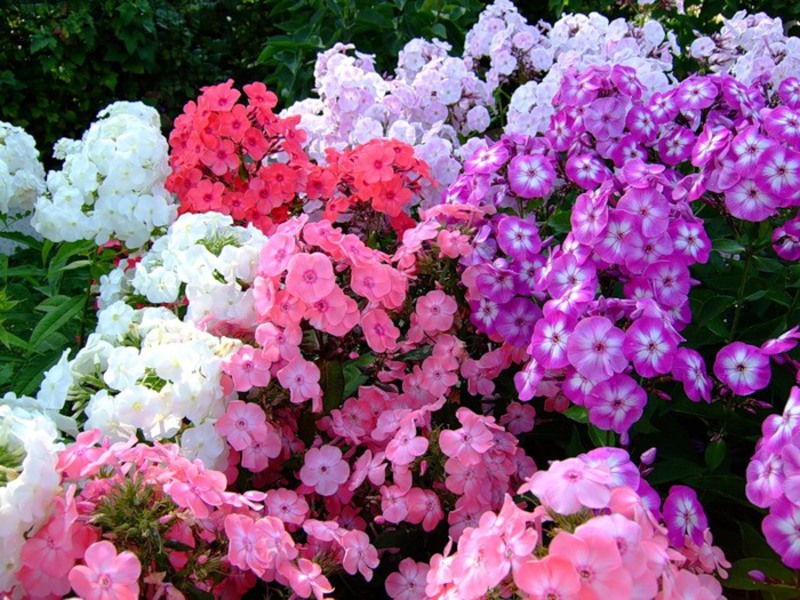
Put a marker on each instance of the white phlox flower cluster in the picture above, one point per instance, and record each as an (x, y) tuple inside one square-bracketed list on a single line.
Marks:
[(28, 479), (751, 48), (21, 171), (111, 185), (147, 371), (203, 258)]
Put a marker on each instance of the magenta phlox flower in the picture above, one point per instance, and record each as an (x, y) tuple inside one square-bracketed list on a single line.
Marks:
[(689, 368), (594, 348), (684, 516), (531, 175), (549, 341), (778, 173), (650, 346), (743, 368), (589, 216), (616, 403), (517, 237)]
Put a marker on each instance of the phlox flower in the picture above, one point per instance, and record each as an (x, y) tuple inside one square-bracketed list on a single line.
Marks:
[(468, 443), (424, 507), (586, 170), (594, 348), (406, 445), (765, 479), (696, 93), (306, 578), (783, 343), (373, 281), (241, 423), (589, 217), (569, 485), (778, 172), (613, 241), (435, 311), (531, 175), (689, 368), (287, 505), (487, 160), (519, 418), (249, 367), (690, 240), (604, 118), (616, 403), (784, 124), (439, 374), (650, 208), (549, 341), (379, 330), (324, 469), (310, 276), (285, 340), (551, 578), (375, 163), (255, 457), (221, 159), (675, 146), (747, 146), (684, 516), (516, 320), (597, 561), (408, 583), (301, 378), (670, 281), (748, 201), (276, 254), (359, 555), (650, 346), (743, 368), (246, 548), (197, 489), (518, 237), (568, 273), (528, 379), (106, 575)]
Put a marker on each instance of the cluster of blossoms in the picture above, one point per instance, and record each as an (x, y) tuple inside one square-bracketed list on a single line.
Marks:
[(432, 99), (751, 48), (111, 185), (137, 518), (771, 477), (147, 371), (28, 477), (204, 264), (236, 159), (597, 531), (21, 172)]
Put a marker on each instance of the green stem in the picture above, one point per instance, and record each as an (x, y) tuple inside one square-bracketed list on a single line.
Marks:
[(86, 301), (740, 296)]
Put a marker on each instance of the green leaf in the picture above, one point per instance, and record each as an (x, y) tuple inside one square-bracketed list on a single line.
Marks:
[(57, 316), (727, 246), (739, 578), (10, 340), (579, 414), (600, 437), (332, 383), (715, 454)]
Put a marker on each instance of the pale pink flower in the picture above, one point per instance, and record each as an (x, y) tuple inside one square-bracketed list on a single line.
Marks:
[(379, 330), (409, 582), (552, 578), (359, 555), (324, 470), (301, 378), (435, 311), (310, 276), (106, 574)]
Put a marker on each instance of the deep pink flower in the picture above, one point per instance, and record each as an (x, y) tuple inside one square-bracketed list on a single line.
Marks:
[(379, 330), (650, 346), (301, 378), (106, 574), (549, 342), (689, 368)]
